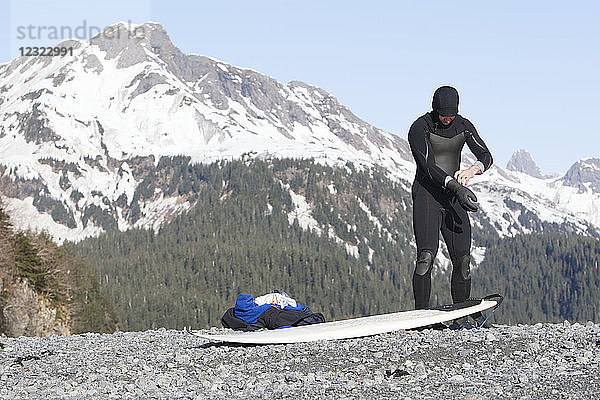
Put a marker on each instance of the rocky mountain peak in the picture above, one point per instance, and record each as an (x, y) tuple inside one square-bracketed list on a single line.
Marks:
[(521, 161), (131, 43), (584, 174)]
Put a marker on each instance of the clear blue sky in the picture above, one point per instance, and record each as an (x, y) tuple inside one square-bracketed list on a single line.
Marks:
[(527, 72)]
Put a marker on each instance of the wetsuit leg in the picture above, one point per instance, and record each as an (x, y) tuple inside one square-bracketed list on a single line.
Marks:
[(427, 219), (456, 230)]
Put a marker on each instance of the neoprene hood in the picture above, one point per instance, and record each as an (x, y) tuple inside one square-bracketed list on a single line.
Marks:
[(445, 101)]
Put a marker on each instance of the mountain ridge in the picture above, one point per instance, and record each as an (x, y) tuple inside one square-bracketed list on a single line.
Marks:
[(78, 136)]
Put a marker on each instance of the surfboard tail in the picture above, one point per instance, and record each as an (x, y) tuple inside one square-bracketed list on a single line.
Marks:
[(470, 303)]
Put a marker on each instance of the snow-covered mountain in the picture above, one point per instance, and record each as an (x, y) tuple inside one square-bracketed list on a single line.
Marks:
[(78, 133), (516, 202)]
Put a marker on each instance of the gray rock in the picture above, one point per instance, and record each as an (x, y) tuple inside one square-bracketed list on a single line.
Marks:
[(455, 379), (490, 337), (420, 368), (291, 377), (568, 344), (464, 352), (474, 396)]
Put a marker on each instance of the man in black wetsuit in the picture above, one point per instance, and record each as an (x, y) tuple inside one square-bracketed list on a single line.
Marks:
[(440, 196)]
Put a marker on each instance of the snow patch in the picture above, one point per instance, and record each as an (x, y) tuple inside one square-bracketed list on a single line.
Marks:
[(477, 255), (302, 213), (156, 212)]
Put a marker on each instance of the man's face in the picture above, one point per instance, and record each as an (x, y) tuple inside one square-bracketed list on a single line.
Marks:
[(446, 120)]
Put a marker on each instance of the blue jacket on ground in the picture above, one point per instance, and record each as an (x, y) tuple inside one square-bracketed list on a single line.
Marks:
[(248, 311)]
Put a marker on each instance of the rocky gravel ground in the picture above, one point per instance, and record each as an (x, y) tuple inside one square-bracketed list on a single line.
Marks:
[(543, 361)]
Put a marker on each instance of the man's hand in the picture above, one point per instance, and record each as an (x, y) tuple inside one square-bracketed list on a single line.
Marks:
[(466, 198), (463, 176)]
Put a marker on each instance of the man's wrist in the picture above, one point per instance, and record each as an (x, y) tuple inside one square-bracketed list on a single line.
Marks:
[(479, 166), (475, 169)]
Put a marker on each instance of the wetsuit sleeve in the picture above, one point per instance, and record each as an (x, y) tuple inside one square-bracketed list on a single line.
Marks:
[(423, 153), (478, 147)]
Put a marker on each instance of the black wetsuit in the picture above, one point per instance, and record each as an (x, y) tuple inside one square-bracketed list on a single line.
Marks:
[(436, 149)]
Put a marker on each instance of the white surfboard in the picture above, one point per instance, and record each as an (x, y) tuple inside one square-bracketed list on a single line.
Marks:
[(352, 328)]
